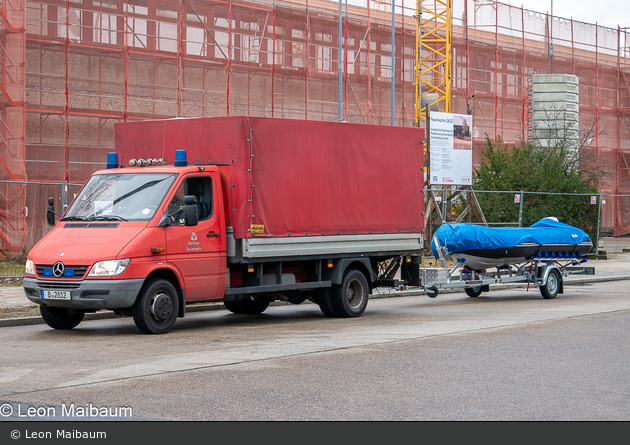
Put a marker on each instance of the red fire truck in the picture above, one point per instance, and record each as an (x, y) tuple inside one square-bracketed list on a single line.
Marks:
[(252, 210)]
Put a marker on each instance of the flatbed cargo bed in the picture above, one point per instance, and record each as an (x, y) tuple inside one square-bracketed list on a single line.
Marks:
[(315, 246)]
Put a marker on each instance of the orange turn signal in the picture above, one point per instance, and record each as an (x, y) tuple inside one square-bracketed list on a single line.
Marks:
[(158, 249)]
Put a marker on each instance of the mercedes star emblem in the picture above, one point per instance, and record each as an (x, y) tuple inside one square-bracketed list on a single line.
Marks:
[(58, 269)]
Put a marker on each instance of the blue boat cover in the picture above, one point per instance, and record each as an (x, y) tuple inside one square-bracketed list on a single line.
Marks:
[(465, 237)]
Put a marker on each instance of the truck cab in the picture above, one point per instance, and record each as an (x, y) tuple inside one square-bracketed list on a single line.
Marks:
[(141, 241)]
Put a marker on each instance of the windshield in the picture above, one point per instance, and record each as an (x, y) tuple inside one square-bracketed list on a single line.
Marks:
[(120, 197)]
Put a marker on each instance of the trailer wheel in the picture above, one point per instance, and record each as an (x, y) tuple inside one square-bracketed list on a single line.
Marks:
[(551, 288), (156, 308), (351, 298), (432, 291), (474, 291), (60, 317)]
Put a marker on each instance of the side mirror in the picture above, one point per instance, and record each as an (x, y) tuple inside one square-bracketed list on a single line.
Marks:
[(50, 214), (190, 210)]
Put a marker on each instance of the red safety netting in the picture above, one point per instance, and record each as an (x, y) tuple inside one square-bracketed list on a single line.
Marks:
[(68, 76)]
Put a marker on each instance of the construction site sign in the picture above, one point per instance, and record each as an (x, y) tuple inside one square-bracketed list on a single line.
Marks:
[(450, 148)]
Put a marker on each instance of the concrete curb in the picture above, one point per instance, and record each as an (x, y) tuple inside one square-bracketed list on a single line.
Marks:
[(25, 321), (202, 307)]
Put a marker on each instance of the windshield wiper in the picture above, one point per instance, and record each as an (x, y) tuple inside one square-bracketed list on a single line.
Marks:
[(74, 218), (107, 218), (139, 189)]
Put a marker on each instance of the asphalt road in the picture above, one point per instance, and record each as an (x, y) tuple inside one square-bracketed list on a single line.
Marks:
[(508, 355)]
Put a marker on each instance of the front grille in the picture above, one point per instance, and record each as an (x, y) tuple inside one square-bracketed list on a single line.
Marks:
[(58, 285), (46, 271)]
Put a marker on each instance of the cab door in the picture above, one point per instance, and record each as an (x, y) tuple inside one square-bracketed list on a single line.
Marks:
[(198, 252)]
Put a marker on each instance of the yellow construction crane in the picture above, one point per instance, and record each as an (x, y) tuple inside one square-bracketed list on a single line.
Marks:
[(433, 56)]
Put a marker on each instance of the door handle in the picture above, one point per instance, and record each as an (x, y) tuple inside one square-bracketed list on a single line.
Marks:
[(212, 234)]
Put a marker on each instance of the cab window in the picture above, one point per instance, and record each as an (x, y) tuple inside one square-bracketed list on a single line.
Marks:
[(201, 188)]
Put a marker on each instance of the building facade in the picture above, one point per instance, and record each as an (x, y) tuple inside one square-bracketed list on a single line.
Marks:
[(71, 69)]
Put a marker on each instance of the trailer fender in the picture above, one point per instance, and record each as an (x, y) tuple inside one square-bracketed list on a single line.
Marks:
[(341, 266)]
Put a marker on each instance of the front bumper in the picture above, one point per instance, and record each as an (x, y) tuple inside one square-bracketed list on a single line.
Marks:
[(86, 294)]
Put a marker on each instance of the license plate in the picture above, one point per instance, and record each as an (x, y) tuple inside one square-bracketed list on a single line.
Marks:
[(56, 295)]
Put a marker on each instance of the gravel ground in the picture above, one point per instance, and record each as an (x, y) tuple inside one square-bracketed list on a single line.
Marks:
[(10, 281)]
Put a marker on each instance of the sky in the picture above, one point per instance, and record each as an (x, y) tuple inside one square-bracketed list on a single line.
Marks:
[(609, 13)]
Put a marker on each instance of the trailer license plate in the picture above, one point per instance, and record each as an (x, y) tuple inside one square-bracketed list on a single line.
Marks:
[(56, 295)]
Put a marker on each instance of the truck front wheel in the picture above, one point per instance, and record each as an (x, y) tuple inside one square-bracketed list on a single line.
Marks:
[(60, 318), (157, 306), (351, 297)]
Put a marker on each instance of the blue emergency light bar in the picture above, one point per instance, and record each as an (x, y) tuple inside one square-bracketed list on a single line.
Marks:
[(112, 160), (180, 158)]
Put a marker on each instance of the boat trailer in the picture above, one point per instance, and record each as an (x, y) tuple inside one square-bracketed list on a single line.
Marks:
[(543, 271)]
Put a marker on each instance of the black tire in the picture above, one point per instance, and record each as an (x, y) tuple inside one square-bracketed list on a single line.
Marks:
[(60, 317), (232, 306), (252, 305), (324, 299), (432, 292), (296, 298), (351, 297), (474, 291), (551, 288), (156, 308)]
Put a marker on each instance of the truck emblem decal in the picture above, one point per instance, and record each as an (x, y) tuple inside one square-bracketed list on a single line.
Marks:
[(193, 242), (58, 269)]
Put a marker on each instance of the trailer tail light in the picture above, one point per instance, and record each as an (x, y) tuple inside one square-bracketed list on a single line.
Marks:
[(330, 264), (250, 269)]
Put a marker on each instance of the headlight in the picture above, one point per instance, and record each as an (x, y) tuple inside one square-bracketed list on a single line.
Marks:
[(109, 268), (30, 267)]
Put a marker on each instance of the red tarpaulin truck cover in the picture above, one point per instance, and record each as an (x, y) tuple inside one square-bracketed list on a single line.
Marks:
[(304, 178)]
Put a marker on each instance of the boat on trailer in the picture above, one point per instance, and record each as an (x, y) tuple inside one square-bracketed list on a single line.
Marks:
[(479, 247), (541, 254)]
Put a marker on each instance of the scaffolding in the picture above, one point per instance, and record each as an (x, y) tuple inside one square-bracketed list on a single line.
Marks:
[(72, 68), (13, 227)]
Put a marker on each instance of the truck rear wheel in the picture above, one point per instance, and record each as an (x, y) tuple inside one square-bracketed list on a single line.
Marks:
[(60, 317), (156, 309), (231, 306), (351, 297), (252, 305), (324, 300)]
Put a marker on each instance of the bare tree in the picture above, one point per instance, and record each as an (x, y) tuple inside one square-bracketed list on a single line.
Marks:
[(560, 131)]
